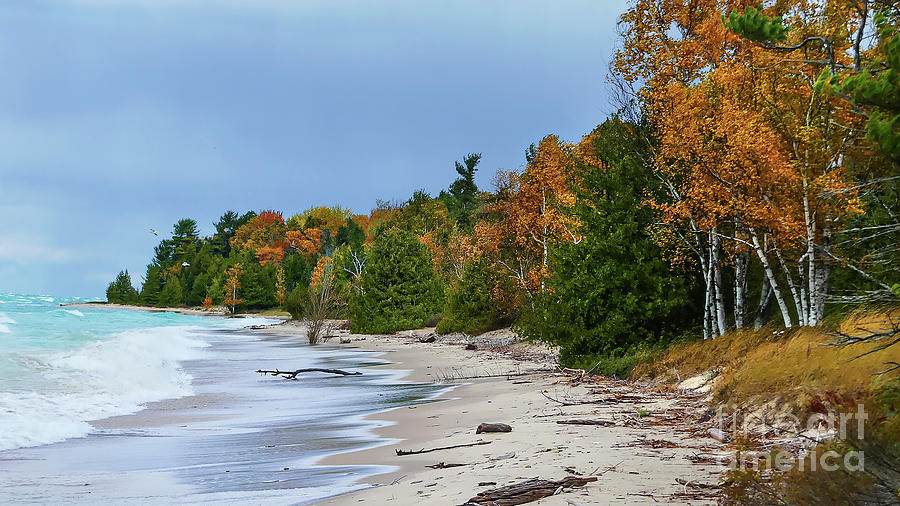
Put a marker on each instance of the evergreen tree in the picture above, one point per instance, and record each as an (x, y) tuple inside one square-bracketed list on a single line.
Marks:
[(399, 288), (171, 293), (121, 291), (469, 308), (257, 284), (225, 228), (612, 291), (152, 286), (462, 199), (351, 234)]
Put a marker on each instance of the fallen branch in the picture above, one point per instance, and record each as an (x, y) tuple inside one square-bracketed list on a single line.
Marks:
[(527, 491), (416, 452), (603, 423), (694, 484), (292, 375), (441, 465)]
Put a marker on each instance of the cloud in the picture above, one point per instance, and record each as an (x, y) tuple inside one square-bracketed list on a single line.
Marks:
[(31, 251)]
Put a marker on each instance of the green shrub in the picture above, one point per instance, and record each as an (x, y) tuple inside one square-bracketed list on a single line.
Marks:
[(469, 308), (294, 302), (399, 288)]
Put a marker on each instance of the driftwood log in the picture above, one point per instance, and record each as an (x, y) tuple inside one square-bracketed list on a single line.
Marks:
[(526, 491), (428, 339), (292, 375), (442, 465), (602, 423), (493, 427), (416, 452)]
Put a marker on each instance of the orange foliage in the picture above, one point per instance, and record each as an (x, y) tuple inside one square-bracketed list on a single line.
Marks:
[(232, 285), (532, 211), (307, 242), (264, 234)]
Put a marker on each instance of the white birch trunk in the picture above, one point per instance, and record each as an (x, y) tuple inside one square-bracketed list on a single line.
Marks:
[(740, 288), (767, 267), (812, 277), (765, 295), (792, 286), (715, 248)]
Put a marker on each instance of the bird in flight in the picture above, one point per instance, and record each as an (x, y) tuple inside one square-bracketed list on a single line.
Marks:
[(154, 232)]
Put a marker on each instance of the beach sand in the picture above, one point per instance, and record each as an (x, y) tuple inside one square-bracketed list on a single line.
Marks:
[(655, 441)]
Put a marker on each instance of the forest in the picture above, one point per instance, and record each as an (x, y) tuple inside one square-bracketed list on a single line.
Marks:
[(748, 179)]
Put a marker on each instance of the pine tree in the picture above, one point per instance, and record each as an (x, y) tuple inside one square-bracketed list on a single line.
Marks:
[(121, 291), (462, 198), (399, 288), (171, 294), (613, 290), (469, 306), (152, 286)]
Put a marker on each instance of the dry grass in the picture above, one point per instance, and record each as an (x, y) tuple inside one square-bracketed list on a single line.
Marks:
[(799, 364)]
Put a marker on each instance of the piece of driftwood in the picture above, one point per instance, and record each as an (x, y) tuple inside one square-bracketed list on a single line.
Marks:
[(694, 484), (493, 427), (416, 452), (292, 375), (441, 465), (345, 341), (486, 483), (471, 346), (428, 339), (526, 491), (602, 423)]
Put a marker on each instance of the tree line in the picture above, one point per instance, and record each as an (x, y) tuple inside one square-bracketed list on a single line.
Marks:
[(750, 177)]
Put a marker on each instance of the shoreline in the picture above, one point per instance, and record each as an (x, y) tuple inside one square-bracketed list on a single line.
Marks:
[(648, 447), (652, 442), (188, 311)]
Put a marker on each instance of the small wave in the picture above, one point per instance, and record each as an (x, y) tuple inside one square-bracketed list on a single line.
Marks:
[(6, 319), (74, 312), (4, 329), (117, 376)]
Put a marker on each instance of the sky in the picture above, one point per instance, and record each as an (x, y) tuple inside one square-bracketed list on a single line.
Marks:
[(118, 116)]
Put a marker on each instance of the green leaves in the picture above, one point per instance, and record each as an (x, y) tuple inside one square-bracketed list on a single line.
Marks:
[(399, 288), (755, 25), (121, 290), (612, 292)]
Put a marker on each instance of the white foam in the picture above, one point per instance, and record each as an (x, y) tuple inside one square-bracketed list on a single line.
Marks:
[(4, 329), (74, 312), (106, 378), (6, 319)]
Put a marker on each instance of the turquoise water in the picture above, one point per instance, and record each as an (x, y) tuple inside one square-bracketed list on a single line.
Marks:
[(234, 437), (61, 367)]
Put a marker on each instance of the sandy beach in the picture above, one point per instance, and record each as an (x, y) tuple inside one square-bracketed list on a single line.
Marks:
[(649, 447)]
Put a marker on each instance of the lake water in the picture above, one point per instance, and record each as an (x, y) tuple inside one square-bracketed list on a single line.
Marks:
[(74, 385)]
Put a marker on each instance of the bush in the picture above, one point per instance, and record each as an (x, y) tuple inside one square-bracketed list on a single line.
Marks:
[(294, 302), (469, 307), (399, 290)]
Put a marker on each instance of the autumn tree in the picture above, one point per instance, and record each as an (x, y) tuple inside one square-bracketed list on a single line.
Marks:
[(226, 227), (232, 285), (527, 215), (755, 159)]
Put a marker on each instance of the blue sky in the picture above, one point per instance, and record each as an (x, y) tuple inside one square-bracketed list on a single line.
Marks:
[(121, 115)]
